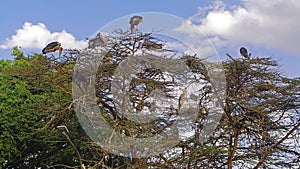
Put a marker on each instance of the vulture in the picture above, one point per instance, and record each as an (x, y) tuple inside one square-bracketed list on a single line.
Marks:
[(52, 47), (134, 21), (244, 52)]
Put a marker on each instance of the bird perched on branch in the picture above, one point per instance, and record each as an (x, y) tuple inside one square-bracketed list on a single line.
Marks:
[(52, 47), (244, 52), (134, 21)]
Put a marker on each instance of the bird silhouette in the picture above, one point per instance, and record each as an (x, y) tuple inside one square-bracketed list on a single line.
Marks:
[(134, 21), (52, 47), (244, 52)]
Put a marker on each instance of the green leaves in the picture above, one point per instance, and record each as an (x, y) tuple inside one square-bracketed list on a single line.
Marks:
[(16, 120), (17, 52)]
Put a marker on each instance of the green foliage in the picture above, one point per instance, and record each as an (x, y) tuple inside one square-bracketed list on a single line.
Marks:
[(36, 97), (18, 53), (17, 119), (5, 64)]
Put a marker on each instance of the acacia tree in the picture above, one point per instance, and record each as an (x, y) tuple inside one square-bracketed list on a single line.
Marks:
[(259, 124), (258, 127), (261, 111), (120, 47)]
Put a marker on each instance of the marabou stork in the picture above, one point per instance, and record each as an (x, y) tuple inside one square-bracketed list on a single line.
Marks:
[(134, 21), (52, 47)]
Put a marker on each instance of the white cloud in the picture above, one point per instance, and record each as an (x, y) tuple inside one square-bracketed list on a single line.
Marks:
[(191, 35), (37, 36), (267, 23)]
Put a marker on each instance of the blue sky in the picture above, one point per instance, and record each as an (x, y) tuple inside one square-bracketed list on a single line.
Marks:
[(266, 28), (82, 18)]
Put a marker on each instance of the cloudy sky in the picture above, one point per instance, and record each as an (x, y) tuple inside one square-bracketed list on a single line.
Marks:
[(265, 27)]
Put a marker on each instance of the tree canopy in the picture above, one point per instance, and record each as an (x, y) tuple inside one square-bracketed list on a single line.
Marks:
[(258, 129)]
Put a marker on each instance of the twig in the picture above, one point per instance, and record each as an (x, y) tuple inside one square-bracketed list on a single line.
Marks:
[(275, 145)]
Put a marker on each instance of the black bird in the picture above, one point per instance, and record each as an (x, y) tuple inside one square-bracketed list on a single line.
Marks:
[(52, 47), (134, 21), (244, 52)]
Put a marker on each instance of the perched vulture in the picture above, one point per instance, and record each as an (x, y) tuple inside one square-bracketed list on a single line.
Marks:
[(134, 21), (244, 52), (52, 47)]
